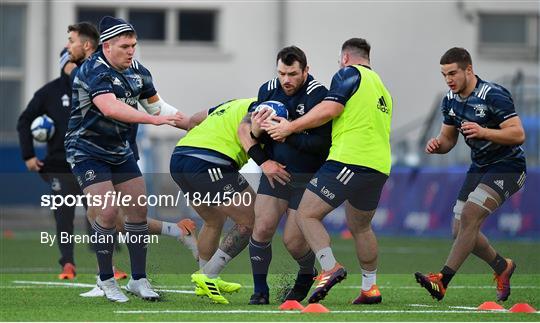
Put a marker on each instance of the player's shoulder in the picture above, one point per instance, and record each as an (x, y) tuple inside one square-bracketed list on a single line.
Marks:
[(269, 86), (95, 65), (314, 86), (489, 91), (139, 67)]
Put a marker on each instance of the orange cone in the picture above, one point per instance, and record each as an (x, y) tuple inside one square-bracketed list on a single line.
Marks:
[(315, 308), (8, 234), (346, 234), (291, 305), (490, 306), (522, 308)]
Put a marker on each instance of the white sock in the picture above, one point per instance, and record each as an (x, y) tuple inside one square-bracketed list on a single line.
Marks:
[(326, 258), (170, 229), (216, 264), (369, 278), (202, 262)]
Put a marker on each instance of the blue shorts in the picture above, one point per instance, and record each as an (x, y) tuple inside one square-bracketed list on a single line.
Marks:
[(92, 171), (195, 175), (291, 193), (337, 182), (505, 177)]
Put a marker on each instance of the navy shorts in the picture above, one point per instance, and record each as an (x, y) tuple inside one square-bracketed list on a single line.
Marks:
[(92, 171), (505, 177), (337, 182), (195, 175), (290, 192)]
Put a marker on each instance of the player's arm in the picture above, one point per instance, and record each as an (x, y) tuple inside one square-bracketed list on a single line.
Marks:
[(444, 142), (34, 109), (271, 169), (344, 84), (511, 132), (114, 109), (316, 140), (197, 118), (155, 105)]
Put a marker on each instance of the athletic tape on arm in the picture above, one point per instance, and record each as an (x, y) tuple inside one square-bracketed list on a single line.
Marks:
[(159, 107)]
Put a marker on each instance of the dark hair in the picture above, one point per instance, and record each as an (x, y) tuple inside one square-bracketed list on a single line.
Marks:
[(358, 46), (86, 30), (291, 54), (457, 55)]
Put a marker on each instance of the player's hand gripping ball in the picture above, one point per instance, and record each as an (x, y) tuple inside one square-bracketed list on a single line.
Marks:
[(42, 128), (278, 108)]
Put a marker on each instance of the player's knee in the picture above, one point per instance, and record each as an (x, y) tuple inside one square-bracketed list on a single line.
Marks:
[(483, 199), (263, 232), (108, 217), (293, 243)]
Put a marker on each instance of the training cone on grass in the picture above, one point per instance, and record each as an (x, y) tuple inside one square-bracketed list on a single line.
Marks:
[(315, 308), (291, 305), (346, 234), (490, 306), (522, 308)]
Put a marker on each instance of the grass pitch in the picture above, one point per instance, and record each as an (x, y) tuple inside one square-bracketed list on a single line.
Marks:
[(30, 291)]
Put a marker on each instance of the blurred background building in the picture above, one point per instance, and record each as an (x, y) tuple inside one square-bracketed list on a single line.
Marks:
[(204, 52)]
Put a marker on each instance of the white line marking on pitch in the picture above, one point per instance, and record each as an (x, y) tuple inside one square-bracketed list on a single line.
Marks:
[(61, 284), (291, 312)]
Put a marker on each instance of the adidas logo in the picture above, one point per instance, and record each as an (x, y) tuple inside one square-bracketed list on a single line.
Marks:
[(314, 181), (116, 81), (451, 113), (256, 258), (499, 183)]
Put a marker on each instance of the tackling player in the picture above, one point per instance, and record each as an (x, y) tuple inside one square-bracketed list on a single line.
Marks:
[(355, 170)]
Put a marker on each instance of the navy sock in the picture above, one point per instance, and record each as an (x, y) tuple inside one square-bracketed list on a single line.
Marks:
[(307, 268), (138, 232), (260, 254), (104, 248), (498, 264), (448, 274)]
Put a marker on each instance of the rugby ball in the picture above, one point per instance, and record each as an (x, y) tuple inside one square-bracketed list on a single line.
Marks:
[(42, 128), (278, 108)]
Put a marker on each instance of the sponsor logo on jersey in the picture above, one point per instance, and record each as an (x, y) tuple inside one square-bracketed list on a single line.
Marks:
[(65, 101), (228, 188), (451, 113), (116, 81), (499, 183), (90, 175), (300, 109), (326, 192), (314, 181), (480, 110)]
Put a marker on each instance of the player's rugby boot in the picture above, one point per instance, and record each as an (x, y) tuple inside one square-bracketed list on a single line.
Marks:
[(327, 280), (372, 296), (301, 287), (143, 289), (432, 283), (112, 290), (189, 236), (259, 299), (503, 280), (209, 286), (68, 272), (224, 287)]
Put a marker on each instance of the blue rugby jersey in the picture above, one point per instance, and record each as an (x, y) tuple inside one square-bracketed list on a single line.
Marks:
[(304, 152), (90, 134), (488, 105)]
